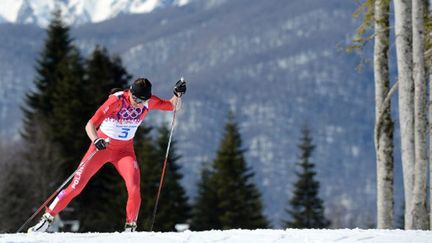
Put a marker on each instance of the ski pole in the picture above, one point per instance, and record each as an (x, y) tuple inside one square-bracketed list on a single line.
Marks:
[(58, 189), (164, 164)]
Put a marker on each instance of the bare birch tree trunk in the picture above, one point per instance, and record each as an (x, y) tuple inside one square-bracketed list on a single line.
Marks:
[(418, 203), (430, 148), (428, 63), (384, 146), (403, 34)]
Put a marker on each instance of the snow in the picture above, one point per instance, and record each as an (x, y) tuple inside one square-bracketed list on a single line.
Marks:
[(10, 13), (99, 10), (143, 8), (233, 236), (182, 2), (41, 9), (76, 12)]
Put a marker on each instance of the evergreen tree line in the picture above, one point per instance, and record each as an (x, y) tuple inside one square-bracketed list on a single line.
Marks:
[(68, 89)]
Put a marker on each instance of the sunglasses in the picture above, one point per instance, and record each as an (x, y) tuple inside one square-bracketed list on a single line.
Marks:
[(138, 100)]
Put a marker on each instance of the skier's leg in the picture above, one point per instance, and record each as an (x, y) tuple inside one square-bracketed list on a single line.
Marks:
[(129, 170), (82, 176)]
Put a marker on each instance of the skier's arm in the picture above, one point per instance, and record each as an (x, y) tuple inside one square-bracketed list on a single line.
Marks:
[(174, 100), (103, 112), (156, 103), (169, 105), (99, 143), (91, 131)]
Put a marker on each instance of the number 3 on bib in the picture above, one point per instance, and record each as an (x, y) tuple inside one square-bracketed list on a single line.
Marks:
[(124, 133)]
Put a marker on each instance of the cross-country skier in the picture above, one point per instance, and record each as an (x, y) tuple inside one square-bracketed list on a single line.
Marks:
[(111, 130)]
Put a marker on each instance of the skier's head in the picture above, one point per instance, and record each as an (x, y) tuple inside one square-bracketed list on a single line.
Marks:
[(141, 90)]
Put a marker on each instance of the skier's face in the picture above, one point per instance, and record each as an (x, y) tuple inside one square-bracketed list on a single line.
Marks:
[(136, 102)]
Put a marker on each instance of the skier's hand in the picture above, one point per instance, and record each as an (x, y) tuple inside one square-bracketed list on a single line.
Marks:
[(100, 143), (180, 88)]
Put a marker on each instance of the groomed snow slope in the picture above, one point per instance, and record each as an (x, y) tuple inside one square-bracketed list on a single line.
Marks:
[(233, 236)]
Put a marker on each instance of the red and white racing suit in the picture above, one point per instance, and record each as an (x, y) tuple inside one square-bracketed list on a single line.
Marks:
[(118, 120)]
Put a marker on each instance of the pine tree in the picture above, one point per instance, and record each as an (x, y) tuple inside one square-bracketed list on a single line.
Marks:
[(58, 70), (150, 167), (306, 208), (204, 212), (41, 112), (15, 193), (237, 201), (104, 72), (173, 207), (56, 49), (69, 112), (27, 182), (55, 106)]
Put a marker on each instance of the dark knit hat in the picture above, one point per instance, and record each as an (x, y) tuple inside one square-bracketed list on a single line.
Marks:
[(141, 88)]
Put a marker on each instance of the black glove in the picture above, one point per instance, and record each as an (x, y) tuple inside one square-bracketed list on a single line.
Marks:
[(180, 88), (100, 143)]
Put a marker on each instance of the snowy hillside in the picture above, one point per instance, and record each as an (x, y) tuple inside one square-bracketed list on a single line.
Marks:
[(76, 11), (234, 236)]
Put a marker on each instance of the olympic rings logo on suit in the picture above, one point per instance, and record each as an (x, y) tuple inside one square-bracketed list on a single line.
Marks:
[(130, 113)]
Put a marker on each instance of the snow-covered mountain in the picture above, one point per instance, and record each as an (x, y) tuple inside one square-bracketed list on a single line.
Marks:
[(76, 12)]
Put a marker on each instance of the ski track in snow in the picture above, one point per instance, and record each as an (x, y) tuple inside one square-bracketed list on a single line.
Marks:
[(232, 236)]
